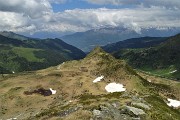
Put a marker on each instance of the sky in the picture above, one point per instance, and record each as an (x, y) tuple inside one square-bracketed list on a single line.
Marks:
[(69, 16)]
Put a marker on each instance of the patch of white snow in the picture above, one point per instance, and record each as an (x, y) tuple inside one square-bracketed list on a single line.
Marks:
[(60, 66), (149, 80), (98, 79), (173, 103), (115, 87), (53, 91), (173, 71)]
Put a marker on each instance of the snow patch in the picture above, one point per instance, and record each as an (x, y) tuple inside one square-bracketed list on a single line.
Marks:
[(173, 71), (60, 66), (149, 80), (115, 87), (173, 103), (98, 79), (52, 91)]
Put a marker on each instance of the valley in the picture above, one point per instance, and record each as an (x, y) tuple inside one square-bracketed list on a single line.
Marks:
[(19, 53)]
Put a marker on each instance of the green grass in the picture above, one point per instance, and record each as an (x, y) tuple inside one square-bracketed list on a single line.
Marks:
[(165, 72), (27, 53), (160, 111)]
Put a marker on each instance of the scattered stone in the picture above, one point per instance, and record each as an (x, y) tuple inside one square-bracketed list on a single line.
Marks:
[(69, 111), (96, 112), (142, 105), (135, 111)]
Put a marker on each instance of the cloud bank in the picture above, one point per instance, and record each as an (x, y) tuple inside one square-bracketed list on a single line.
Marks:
[(33, 16)]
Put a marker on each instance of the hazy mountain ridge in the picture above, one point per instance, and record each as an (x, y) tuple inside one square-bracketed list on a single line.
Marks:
[(86, 41)]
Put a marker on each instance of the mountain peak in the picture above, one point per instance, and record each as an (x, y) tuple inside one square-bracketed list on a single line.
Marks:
[(98, 52), (98, 49)]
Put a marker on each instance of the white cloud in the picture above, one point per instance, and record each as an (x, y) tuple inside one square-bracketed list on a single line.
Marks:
[(58, 1), (132, 18), (37, 16), (31, 8), (147, 3)]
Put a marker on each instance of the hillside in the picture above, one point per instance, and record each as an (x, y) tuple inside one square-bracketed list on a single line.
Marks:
[(143, 42), (160, 60), (31, 54), (96, 87)]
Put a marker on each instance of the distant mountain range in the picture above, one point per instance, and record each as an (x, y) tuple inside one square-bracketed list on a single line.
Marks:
[(86, 41), (20, 53)]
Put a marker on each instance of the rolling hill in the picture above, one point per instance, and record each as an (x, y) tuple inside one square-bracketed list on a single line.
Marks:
[(160, 60), (19, 53), (96, 87), (142, 42)]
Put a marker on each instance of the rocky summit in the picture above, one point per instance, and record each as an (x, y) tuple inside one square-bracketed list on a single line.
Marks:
[(76, 90)]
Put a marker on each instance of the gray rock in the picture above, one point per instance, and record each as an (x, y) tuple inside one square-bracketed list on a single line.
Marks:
[(135, 111), (109, 112), (96, 112), (142, 105)]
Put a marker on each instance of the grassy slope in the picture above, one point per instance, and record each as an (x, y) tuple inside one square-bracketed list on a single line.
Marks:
[(143, 42), (31, 54), (27, 53), (159, 60), (73, 82)]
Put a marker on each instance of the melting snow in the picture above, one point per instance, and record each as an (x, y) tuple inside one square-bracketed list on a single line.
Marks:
[(98, 79), (60, 66), (115, 87), (173, 103), (149, 80), (53, 91), (173, 71)]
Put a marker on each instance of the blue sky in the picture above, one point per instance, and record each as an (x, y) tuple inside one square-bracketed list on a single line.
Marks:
[(80, 4), (68, 16)]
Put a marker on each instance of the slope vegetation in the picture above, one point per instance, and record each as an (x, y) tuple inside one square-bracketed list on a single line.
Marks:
[(161, 60), (143, 42), (31, 54), (78, 97)]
